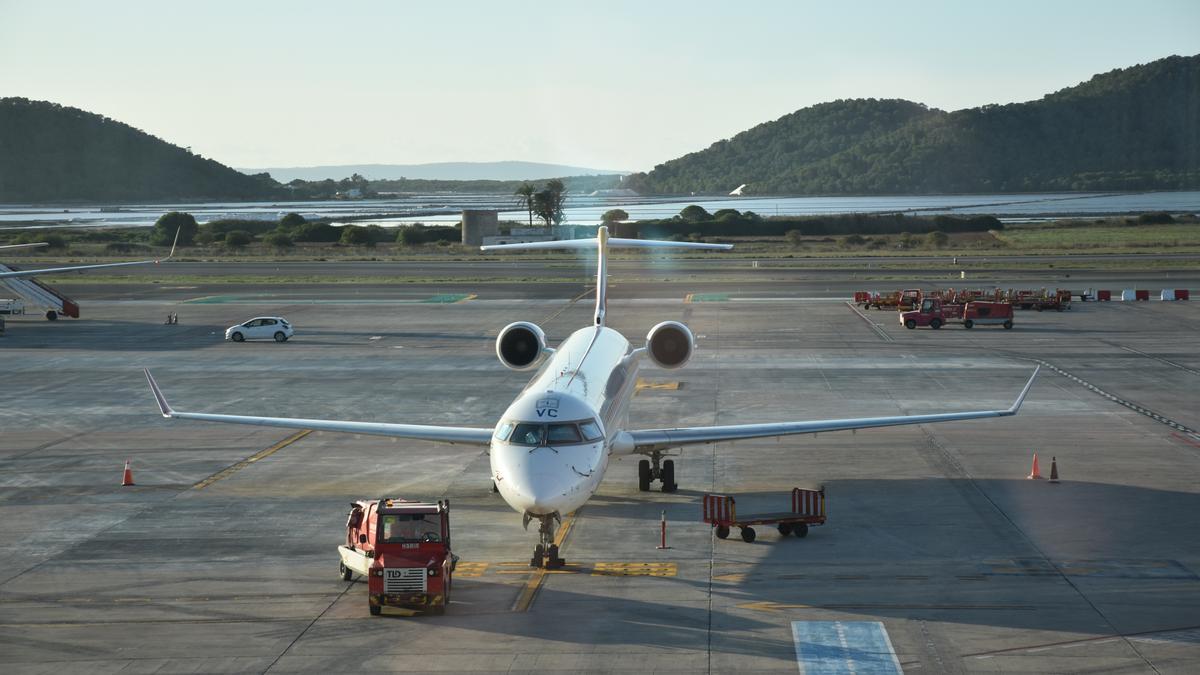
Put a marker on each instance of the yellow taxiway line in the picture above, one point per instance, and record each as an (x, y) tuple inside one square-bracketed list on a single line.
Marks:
[(225, 473)]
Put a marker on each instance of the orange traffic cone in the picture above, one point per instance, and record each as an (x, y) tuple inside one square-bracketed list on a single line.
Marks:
[(1035, 473), (127, 479), (1053, 470)]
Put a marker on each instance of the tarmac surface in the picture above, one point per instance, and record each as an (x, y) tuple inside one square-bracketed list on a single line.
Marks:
[(936, 542)]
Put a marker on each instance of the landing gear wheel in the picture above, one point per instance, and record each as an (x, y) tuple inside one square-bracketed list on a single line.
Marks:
[(554, 562), (644, 475), (747, 534), (344, 571), (237, 337), (801, 530), (280, 337), (722, 531), (935, 324), (910, 324), (51, 315), (668, 476), (539, 554), (784, 529), (375, 610)]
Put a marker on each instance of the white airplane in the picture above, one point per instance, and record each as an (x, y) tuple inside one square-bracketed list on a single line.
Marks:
[(550, 449), (6, 273)]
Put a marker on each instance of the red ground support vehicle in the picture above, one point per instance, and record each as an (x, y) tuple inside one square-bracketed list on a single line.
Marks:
[(808, 509), (935, 314), (403, 549), (906, 299)]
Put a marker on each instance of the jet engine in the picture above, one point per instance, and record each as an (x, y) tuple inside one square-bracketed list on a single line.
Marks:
[(520, 345), (670, 344)]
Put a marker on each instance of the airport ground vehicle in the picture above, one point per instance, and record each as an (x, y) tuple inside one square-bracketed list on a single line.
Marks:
[(808, 509), (1057, 300), (902, 300), (261, 327), (935, 314), (403, 549)]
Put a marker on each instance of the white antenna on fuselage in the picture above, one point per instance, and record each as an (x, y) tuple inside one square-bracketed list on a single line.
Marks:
[(602, 243)]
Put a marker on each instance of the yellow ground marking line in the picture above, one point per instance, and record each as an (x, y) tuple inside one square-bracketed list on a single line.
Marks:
[(687, 299), (768, 606), (635, 569), (534, 584), (470, 570), (643, 384), (471, 296), (251, 459)]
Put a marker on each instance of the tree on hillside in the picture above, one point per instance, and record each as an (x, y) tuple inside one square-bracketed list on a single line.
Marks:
[(352, 235), (292, 221), (168, 223), (525, 195), (238, 238), (614, 216)]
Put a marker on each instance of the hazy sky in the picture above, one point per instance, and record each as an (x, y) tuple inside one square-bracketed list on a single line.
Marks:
[(613, 84)]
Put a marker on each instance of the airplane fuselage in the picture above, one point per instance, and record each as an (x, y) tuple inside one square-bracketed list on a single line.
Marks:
[(552, 445)]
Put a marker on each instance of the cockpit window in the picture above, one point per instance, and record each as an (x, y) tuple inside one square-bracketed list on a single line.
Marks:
[(562, 433), (503, 431), (591, 431), (527, 433)]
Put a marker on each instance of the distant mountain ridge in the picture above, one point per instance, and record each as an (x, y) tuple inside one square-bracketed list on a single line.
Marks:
[(1129, 129), (510, 170), (50, 152)]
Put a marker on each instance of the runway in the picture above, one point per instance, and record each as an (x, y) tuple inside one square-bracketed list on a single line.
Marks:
[(936, 541)]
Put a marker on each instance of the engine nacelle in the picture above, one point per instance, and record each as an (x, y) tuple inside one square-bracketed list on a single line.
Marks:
[(520, 345), (670, 344)]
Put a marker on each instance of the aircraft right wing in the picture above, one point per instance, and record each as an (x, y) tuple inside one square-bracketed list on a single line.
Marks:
[(462, 435), (9, 247), (650, 440)]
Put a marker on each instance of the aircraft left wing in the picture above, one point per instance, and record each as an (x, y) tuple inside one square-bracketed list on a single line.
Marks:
[(661, 439), (461, 435), (8, 274)]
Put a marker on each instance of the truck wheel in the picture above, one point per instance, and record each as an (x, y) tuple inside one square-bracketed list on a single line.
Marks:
[(668, 476), (51, 315), (747, 534), (1008, 324), (280, 337), (968, 324), (344, 571), (801, 530), (935, 324), (237, 337), (375, 610), (644, 475), (910, 324), (722, 531), (784, 529)]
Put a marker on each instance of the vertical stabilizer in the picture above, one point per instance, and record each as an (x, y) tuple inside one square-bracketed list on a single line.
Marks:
[(601, 274)]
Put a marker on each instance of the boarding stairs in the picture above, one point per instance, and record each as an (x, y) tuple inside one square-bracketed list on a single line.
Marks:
[(37, 294)]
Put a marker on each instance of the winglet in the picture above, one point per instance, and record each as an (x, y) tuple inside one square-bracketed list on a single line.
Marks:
[(163, 406), (169, 256), (1012, 410)]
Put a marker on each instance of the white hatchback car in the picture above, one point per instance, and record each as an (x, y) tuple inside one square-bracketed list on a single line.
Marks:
[(264, 327)]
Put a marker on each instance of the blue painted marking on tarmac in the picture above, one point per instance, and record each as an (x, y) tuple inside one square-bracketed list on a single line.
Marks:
[(841, 647)]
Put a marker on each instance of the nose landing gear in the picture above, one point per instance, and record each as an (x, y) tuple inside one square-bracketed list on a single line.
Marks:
[(545, 554), (661, 470)]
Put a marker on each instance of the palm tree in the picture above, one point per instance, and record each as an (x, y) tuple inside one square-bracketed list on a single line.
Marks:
[(525, 198), (557, 195)]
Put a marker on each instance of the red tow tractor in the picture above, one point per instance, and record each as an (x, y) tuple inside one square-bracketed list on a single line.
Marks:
[(935, 314), (403, 549)]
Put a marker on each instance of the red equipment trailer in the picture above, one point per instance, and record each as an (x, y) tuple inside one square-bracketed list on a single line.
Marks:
[(403, 549), (935, 314), (808, 509)]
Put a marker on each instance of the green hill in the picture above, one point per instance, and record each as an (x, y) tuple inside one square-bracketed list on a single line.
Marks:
[(50, 152), (1129, 129)]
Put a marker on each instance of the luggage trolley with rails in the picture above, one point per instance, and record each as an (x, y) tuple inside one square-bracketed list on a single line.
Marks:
[(808, 509)]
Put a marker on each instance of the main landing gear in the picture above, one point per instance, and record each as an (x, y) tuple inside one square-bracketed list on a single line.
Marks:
[(545, 554), (661, 470)]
